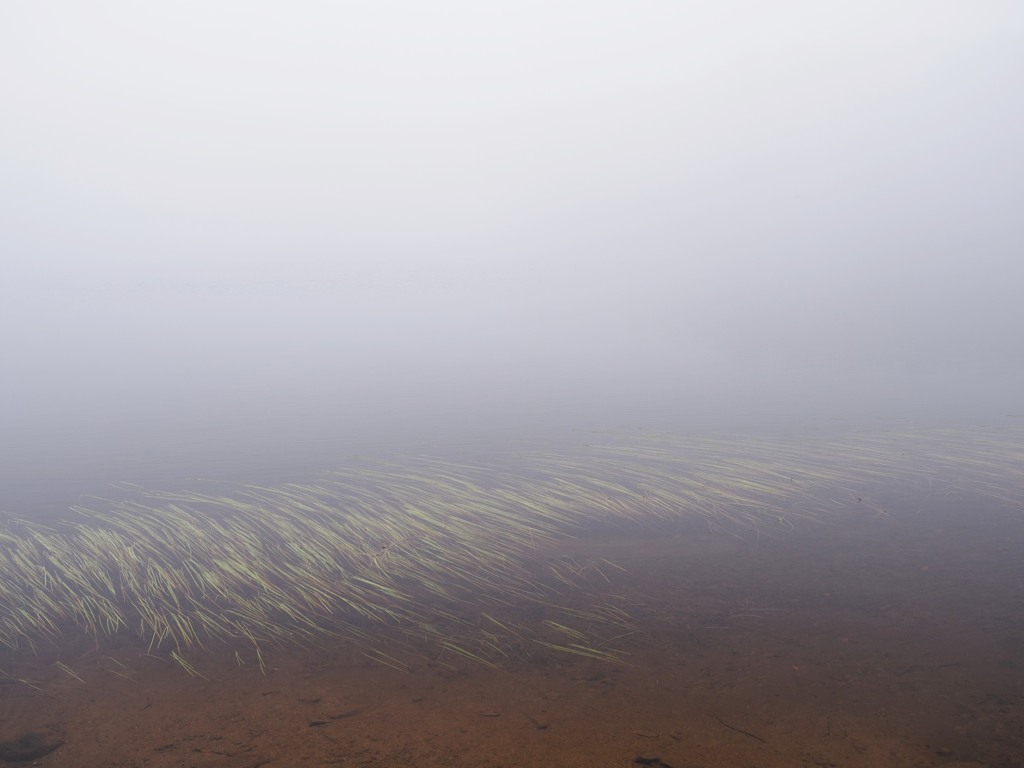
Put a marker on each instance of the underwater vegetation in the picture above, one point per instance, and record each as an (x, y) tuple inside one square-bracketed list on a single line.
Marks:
[(436, 551)]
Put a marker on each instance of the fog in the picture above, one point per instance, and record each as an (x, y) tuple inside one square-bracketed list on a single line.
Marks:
[(278, 223)]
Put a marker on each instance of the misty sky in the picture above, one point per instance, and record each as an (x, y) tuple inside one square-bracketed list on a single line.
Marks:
[(490, 208)]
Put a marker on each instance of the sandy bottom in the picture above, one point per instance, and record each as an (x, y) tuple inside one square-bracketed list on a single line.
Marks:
[(871, 643)]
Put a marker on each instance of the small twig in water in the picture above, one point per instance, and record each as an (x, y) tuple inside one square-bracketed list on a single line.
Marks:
[(739, 730)]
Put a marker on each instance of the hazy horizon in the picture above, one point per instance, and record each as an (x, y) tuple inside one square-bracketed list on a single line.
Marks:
[(372, 220)]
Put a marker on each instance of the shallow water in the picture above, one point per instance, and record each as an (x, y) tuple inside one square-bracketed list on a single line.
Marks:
[(879, 637), (895, 641)]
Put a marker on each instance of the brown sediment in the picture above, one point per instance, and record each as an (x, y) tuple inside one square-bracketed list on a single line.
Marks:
[(896, 641)]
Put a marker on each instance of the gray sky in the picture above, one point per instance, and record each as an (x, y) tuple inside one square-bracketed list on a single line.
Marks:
[(382, 209)]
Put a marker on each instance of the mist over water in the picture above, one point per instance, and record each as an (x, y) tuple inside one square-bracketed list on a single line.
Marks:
[(353, 226)]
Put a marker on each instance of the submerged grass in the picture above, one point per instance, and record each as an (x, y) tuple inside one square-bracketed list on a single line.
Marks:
[(439, 551)]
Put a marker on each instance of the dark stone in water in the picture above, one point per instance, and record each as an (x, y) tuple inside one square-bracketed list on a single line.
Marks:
[(27, 747)]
